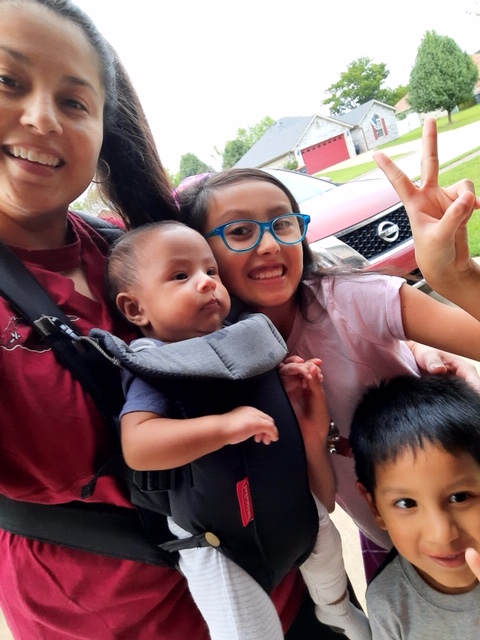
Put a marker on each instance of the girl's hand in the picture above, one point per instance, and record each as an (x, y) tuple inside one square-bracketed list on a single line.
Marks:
[(302, 380), (303, 383), (243, 423), (438, 216), (473, 560), (434, 361)]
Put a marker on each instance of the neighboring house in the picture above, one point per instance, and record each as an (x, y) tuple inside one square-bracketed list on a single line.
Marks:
[(476, 92), (317, 142), (373, 124)]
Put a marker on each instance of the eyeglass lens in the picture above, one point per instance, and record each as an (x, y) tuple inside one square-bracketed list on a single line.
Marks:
[(244, 234)]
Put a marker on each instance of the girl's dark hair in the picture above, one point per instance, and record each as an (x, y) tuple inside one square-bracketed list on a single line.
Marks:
[(194, 201), (136, 184), (408, 413)]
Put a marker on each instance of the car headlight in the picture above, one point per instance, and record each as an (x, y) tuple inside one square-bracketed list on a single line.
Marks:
[(332, 252)]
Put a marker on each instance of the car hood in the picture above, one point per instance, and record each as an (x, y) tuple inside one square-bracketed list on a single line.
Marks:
[(349, 204)]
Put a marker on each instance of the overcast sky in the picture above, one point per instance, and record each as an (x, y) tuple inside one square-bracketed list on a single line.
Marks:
[(203, 69)]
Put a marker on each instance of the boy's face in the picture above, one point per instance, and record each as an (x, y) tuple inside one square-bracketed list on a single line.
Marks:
[(429, 502), (178, 292)]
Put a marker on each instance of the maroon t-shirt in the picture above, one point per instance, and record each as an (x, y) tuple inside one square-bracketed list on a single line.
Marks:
[(52, 440)]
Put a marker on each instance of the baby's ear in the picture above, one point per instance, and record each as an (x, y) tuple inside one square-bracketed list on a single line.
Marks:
[(131, 309), (371, 503)]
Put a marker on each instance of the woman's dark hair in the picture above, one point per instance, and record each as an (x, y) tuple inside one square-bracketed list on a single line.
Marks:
[(410, 412), (136, 184), (194, 201)]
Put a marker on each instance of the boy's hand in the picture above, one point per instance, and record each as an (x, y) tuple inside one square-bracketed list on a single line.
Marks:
[(473, 560), (243, 423)]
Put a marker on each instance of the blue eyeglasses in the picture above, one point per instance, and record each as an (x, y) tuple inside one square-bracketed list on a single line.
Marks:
[(245, 235)]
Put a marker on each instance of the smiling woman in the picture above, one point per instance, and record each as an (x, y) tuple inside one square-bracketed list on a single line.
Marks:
[(67, 108)]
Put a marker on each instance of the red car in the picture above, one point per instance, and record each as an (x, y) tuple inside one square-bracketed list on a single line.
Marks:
[(362, 223)]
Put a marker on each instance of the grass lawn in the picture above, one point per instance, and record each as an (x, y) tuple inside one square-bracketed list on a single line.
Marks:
[(468, 169), (460, 119)]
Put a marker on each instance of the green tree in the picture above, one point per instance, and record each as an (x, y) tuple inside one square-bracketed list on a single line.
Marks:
[(246, 138), (442, 77), (361, 82), (392, 96), (232, 152), (190, 165)]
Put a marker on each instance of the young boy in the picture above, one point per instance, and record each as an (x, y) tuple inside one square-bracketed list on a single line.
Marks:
[(416, 443), (164, 279)]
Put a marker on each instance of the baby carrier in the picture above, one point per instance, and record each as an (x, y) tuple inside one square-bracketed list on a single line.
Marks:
[(261, 514), (250, 500)]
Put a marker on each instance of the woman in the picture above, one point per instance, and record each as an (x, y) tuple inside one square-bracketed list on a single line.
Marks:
[(68, 113)]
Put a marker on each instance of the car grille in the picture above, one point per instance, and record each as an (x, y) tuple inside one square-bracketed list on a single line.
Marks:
[(368, 243)]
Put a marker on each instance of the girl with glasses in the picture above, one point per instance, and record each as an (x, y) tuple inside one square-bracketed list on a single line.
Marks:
[(356, 322)]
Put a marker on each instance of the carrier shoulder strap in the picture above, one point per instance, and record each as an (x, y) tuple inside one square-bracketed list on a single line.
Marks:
[(100, 529), (32, 302)]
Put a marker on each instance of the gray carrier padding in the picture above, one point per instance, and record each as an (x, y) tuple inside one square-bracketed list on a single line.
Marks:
[(262, 510), (242, 350)]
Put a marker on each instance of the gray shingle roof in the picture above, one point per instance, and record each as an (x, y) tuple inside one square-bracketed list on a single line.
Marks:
[(355, 116), (277, 141)]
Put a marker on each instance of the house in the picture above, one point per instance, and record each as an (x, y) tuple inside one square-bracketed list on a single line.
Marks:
[(317, 142), (476, 92), (373, 124)]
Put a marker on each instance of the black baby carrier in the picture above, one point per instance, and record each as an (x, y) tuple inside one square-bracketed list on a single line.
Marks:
[(251, 501)]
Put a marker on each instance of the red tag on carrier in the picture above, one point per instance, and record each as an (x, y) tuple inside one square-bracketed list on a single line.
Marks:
[(245, 501)]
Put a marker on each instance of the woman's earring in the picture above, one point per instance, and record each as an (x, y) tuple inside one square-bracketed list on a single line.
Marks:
[(103, 169)]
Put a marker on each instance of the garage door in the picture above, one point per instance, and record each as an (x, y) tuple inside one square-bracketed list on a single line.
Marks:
[(325, 154)]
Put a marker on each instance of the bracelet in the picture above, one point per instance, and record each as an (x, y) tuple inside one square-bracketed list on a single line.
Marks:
[(333, 437)]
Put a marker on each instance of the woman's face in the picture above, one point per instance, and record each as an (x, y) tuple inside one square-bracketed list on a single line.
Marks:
[(51, 113), (267, 277)]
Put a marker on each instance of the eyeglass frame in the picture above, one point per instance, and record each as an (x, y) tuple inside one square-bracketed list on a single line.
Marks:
[(264, 226)]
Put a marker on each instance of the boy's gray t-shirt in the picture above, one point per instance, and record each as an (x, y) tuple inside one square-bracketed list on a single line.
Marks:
[(402, 606)]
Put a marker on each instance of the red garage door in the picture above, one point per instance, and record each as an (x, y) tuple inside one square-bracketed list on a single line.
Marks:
[(324, 154)]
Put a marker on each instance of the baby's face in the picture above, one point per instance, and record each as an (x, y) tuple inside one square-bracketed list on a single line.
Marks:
[(179, 291), (429, 501)]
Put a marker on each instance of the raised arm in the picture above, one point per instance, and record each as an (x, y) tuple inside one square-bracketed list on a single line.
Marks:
[(303, 384), (439, 217), (442, 326), (151, 442)]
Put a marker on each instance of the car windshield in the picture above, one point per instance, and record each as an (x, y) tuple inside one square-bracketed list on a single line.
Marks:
[(303, 187)]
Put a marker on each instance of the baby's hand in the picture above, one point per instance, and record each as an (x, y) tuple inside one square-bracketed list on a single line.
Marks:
[(297, 373), (473, 560), (245, 422)]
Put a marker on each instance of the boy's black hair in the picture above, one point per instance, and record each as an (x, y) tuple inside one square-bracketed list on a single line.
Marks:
[(409, 412)]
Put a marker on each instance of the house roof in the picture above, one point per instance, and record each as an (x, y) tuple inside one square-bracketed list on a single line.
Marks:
[(403, 104), (355, 116), (276, 142)]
